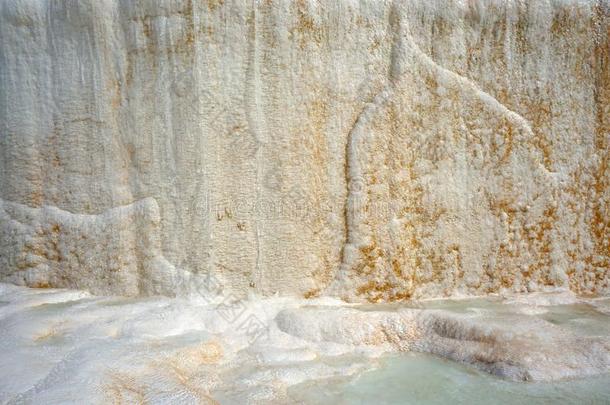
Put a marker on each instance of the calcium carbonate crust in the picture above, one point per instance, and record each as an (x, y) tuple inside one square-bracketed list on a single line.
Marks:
[(368, 150)]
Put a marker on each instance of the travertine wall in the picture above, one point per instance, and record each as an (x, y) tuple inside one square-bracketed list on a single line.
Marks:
[(365, 149)]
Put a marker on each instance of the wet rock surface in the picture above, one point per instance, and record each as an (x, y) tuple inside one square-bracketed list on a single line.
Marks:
[(511, 343), (61, 346)]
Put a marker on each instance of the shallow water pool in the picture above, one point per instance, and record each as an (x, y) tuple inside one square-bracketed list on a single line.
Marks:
[(415, 378)]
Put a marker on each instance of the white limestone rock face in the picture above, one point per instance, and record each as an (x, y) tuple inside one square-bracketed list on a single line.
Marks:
[(115, 252), (371, 150)]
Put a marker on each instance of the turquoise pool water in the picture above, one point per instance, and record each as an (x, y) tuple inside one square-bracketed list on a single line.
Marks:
[(415, 378)]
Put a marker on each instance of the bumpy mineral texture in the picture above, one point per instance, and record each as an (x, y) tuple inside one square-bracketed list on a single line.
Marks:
[(371, 150)]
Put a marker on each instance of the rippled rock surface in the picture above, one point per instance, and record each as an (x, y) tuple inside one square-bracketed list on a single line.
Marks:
[(369, 150)]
